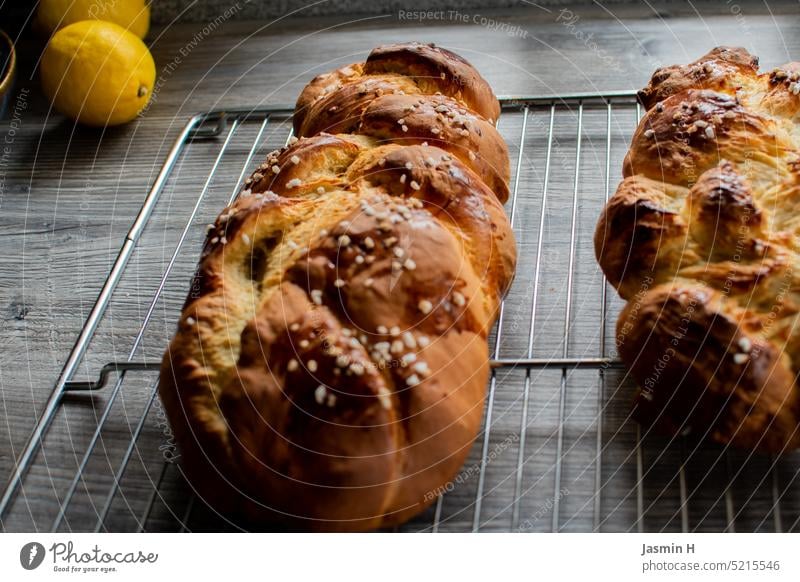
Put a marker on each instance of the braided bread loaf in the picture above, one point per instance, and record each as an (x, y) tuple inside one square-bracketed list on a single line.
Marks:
[(330, 364), (701, 239)]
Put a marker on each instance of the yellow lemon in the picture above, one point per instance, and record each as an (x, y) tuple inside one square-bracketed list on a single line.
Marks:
[(97, 73), (133, 15)]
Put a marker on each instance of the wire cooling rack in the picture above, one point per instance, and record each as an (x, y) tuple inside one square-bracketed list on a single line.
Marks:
[(557, 451)]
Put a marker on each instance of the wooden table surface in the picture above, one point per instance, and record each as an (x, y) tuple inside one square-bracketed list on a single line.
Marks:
[(70, 193)]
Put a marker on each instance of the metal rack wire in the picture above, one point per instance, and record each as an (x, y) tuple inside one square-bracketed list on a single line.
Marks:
[(557, 451)]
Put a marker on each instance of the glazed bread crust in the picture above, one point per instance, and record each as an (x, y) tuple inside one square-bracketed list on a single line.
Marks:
[(701, 239), (331, 361)]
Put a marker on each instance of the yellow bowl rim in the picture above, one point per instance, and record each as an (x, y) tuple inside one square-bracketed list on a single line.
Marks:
[(5, 82)]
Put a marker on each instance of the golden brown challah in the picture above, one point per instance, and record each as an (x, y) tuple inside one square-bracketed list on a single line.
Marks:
[(701, 239), (330, 363)]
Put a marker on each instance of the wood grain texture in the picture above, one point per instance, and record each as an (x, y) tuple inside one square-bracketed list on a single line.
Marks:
[(69, 195)]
